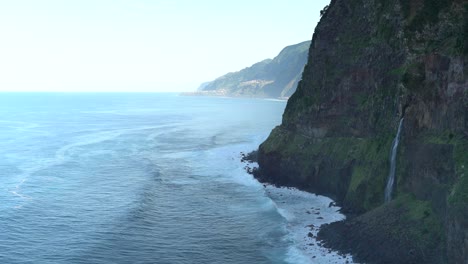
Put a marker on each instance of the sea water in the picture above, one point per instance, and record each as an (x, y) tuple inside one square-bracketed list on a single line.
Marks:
[(146, 178)]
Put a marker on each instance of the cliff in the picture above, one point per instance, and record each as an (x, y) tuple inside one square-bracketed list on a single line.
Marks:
[(274, 78), (375, 62)]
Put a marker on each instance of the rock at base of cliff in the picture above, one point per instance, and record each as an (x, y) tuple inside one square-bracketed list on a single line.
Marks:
[(404, 231)]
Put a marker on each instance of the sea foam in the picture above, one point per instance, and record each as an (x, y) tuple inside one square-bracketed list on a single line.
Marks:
[(304, 214)]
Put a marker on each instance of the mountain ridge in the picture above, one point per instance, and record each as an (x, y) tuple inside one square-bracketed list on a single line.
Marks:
[(270, 78)]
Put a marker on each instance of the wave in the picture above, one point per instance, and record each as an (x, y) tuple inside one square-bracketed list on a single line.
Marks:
[(20, 126), (62, 155), (304, 214), (275, 100), (102, 136)]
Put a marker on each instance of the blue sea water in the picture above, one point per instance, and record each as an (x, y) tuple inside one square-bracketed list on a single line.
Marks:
[(146, 178)]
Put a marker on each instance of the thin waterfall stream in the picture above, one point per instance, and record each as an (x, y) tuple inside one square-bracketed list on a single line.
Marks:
[(391, 175)]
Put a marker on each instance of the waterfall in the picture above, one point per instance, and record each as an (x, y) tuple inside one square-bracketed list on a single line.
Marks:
[(391, 175)]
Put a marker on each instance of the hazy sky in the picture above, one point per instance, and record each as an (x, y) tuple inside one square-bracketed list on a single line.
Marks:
[(142, 45)]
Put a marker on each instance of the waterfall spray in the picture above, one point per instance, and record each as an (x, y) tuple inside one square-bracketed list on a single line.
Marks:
[(391, 175)]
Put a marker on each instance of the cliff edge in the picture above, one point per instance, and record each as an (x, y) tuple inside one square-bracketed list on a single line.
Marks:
[(274, 78), (374, 63)]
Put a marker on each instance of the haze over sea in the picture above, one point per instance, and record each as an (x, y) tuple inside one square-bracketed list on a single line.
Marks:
[(146, 178)]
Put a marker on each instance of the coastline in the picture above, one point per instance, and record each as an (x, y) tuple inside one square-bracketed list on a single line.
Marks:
[(368, 237), (225, 94), (382, 235), (305, 214), (306, 233)]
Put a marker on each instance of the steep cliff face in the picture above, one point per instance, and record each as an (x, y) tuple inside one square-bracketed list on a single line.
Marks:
[(374, 62), (274, 78)]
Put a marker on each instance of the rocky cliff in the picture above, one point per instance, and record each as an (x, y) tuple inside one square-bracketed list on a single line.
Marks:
[(274, 78), (375, 62)]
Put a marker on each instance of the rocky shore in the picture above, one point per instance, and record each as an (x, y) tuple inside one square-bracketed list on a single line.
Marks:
[(383, 235), (372, 63)]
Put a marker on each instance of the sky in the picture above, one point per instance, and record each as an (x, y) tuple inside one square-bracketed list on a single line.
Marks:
[(142, 45)]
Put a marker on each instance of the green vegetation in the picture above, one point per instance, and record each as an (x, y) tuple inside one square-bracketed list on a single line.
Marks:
[(462, 40), (369, 155), (434, 26), (459, 194), (414, 77), (406, 8), (324, 10), (426, 230), (338, 128), (269, 78), (414, 80), (428, 14)]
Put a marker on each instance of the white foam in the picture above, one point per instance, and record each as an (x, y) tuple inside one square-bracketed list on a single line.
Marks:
[(62, 155), (296, 256), (168, 128), (20, 183), (298, 208), (305, 213), (98, 137), (276, 100), (285, 214), (20, 195), (242, 177)]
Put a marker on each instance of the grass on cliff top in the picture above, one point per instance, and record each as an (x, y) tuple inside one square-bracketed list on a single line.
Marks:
[(427, 230)]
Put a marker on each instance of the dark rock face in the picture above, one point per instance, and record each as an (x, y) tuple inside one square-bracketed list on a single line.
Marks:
[(276, 78), (374, 62), (385, 235)]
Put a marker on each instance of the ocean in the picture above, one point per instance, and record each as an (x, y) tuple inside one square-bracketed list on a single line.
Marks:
[(147, 178)]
